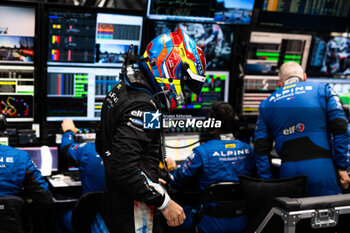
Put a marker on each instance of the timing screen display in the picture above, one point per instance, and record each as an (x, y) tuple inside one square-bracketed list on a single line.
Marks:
[(85, 39), (268, 51), (311, 7), (78, 93), (86, 52), (257, 88), (228, 11), (214, 89), (17, 92)]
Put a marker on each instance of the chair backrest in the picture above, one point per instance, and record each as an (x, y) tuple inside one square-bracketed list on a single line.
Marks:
[(14, 215), (85, 211), (222, 200), (222, 191), (260, 193)]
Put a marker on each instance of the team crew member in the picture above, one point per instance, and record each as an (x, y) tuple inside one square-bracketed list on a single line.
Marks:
[(220, 159), (20, 177), (132, 153), (299, 117), (91, 169)]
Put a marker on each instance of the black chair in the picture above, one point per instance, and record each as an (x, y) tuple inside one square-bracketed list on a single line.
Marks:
[(228, 199), (85, 211), (260, 193), (14, 215)]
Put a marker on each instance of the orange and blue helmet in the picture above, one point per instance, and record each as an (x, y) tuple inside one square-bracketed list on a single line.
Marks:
[(174, 61)]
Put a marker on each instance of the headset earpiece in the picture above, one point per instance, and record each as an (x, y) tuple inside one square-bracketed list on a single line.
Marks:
[(215, 108)]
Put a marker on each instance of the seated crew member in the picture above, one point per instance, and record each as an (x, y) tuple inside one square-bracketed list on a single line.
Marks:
[(20, 177), (91, 169), (299, 117), (212, 162)]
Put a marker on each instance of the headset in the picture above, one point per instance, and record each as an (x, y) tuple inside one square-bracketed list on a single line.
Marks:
[(215, 107)]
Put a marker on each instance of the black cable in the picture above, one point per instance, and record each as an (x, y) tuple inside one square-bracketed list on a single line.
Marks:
[(182, 147)]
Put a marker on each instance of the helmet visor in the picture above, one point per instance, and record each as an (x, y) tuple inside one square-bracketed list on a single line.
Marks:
[(193, 81)]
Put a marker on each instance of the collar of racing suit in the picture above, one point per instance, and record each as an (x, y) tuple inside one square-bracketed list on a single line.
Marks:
[(227, 137), (135, 78), (292, 79)]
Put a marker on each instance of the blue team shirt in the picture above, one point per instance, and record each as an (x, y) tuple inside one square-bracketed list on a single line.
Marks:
[(17, 171), (92, 173), (216, 161)]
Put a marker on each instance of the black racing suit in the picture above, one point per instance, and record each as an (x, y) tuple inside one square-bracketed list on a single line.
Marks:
[(130, 153)]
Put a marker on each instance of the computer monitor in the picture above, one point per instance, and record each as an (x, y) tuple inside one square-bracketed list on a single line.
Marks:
[(216, 88), (17, 31), (267, 51), (329, 56), (215, 40), (224, 11), (179, 147), (307, 14), (85, 54), (114, 35), (36, 154), (17, 92), (78, 93), (257, 88), (78, 38), (340, 86)]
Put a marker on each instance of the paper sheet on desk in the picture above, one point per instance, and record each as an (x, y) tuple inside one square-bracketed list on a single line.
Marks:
[(63, 182), (180, 154)]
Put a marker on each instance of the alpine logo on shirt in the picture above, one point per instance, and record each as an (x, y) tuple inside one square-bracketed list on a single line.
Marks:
[(290, 91), (231, 152)]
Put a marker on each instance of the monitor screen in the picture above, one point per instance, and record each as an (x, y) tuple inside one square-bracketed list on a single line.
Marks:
[(90, 39), (214, 39), (179, 147), (216, 88), (330, 56), (85, 53), (77, 92), (228, 11), (257, 88), (267, 51), (312, 14), (114, 35), (17, 31), (17, 92), (35, 154), (339, 86), (309, 7)]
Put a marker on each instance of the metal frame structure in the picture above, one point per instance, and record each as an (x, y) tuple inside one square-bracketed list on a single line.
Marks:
[(320, 218)]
